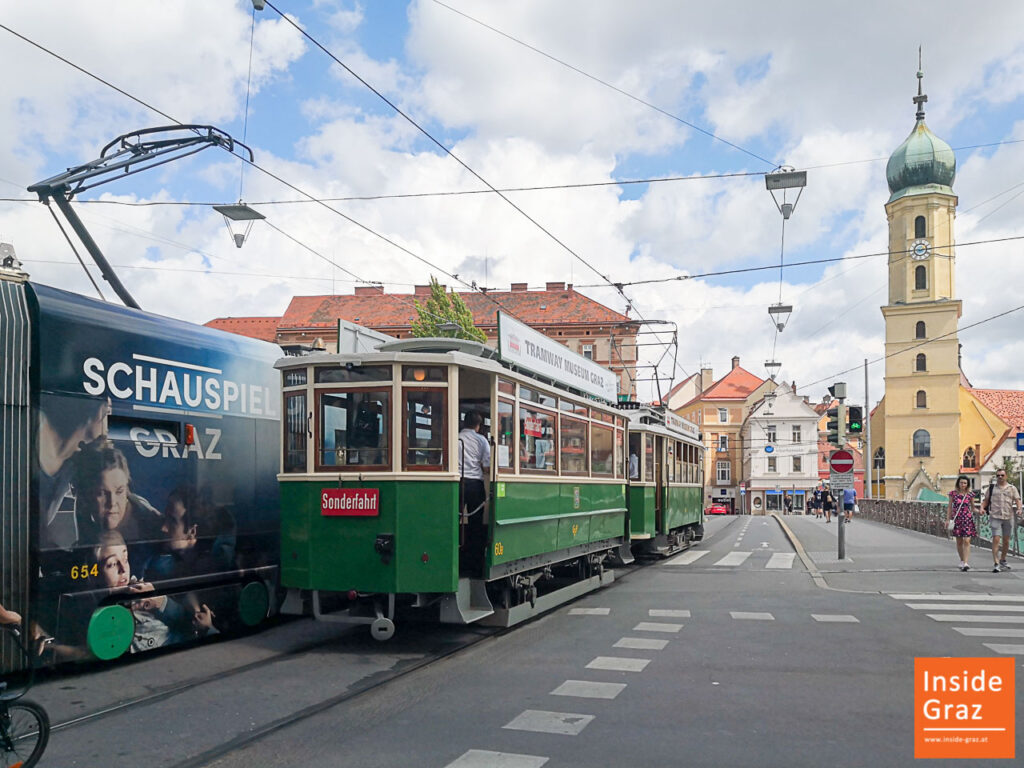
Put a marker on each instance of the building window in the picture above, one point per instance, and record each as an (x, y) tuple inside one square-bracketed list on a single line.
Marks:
[(922, 443), (773, 464), (921, 363), (797, 464), (920, 278), (723, 471), (588, 351), (880, 458), (723, 415), (919, 227), (922, 399), (769, 433), (796, 433), (919, 330), (723, 442), (970, 459)]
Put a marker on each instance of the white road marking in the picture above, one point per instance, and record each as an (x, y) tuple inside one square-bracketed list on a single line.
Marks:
[(618, 664), (565, 723), (686, 558), (989, 632), (751, 616), (642, 643), (967, 618), (1011, 650), (733, 558), (653, 626), (836, 618), (586, 689), (589, 611), (764, 544), (781, 560), (480, 758), (973, 598), (965, 607), (666, 613)]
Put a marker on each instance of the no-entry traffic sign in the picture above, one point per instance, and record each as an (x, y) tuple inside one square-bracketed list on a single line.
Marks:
[(840, 462)]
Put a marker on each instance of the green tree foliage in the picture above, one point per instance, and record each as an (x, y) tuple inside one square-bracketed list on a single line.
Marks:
[(442, 308)]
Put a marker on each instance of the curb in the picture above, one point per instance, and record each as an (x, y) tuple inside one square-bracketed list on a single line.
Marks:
[(812, 569)]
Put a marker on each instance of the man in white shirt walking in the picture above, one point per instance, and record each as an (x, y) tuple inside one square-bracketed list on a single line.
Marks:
[(1002, 504)]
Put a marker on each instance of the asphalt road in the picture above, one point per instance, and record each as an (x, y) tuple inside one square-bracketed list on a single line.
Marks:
[(757, 647)]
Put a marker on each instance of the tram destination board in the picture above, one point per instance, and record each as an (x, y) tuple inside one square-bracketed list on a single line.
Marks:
[(840, 465)]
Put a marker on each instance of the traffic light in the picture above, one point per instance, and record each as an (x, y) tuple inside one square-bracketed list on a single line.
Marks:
[(836, 424), (856, 419)]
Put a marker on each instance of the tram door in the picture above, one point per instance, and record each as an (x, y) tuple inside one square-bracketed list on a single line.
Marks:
[(659, 482), (474, 397)]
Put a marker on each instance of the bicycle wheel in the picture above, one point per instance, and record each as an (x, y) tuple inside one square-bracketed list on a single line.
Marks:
[(24, 731)]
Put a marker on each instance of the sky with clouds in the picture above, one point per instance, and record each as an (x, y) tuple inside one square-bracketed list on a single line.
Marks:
[(824, 87)]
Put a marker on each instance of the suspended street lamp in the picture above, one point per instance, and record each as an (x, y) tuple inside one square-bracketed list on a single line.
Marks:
[(243, 217), (773, 368), (782, 179), (779, 314)]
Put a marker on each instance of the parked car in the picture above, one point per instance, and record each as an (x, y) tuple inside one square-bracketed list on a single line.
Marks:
[(717, 509)]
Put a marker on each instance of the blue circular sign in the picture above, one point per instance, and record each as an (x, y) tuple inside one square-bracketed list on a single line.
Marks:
[(769, 449)]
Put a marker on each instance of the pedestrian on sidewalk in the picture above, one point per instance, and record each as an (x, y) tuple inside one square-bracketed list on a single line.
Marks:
[(961, 517), (1002, 504), (849, 502), (816, 502), (827, 503)]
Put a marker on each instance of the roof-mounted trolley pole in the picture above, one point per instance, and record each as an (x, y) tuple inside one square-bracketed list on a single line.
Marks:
[(126, 155)]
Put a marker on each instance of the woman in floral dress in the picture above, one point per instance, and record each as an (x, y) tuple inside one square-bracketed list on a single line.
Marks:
[(961, 501)]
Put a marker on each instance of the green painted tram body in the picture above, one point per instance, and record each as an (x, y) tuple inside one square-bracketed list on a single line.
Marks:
[(642, 511)]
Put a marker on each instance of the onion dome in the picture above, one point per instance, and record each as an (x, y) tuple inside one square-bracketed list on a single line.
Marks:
[(923, 163)]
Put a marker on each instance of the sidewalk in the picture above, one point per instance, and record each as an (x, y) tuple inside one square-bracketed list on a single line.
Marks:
[(882, 558)]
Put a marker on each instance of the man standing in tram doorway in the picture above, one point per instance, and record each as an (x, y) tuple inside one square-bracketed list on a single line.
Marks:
[(474, 463)]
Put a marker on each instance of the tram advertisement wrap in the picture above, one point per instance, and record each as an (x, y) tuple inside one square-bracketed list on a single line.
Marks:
[(157, 459)]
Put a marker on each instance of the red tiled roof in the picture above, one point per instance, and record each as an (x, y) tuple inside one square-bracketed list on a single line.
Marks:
[(263, 328), (737, 384), (1007, 404), (395, 310)]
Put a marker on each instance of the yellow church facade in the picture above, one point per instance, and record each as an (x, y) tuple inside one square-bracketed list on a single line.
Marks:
[(930, 426)]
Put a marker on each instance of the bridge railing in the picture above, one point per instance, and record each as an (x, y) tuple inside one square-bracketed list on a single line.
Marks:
[(930, 517)]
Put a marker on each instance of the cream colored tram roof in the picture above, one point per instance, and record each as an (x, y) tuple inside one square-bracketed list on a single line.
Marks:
[(659, 429), (461, 352)]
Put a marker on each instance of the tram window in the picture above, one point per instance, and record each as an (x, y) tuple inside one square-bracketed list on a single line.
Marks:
[(571, 407), (296, 378), (536, 440), (504, 436), (354, 429), (573, 446), (619, 445), (649, 457), (295, 426), (635, 449), (605, 417), (536, 396), (426, 373), (602, 450), (359, 373), (506, 387), (425, 437)]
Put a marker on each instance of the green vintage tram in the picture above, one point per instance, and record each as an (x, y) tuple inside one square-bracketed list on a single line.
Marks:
[(665, 494), (371, 512)]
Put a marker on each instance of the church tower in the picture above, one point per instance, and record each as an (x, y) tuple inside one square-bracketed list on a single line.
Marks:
[(922, 366)]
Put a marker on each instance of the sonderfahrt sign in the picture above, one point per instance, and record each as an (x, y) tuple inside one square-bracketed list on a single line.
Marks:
[(350, 502), (840, 465)]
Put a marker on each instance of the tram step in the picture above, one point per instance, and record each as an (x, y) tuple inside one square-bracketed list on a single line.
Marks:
[(470, 603)]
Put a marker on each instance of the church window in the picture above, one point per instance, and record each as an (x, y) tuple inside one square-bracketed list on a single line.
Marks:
[(922, 443), (919, 227), (920, 278), (970, 460), (880, 458), (922, 399), (919, 330), (921, 363)]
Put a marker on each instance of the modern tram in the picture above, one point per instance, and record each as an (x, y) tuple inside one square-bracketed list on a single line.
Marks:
[(372, 514), (139, 463)]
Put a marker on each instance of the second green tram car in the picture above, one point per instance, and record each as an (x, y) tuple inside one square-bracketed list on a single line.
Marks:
[(665, 494), (371, 511)]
